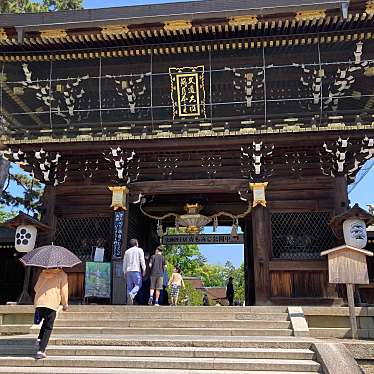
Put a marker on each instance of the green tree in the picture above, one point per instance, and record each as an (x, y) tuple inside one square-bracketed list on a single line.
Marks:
[(187, 256), (212, 275), (34, 6), (239, 283), (193, 263), (5, 215), (195, 297), (29, 198)]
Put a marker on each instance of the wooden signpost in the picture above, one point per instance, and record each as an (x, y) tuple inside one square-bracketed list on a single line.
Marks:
[(348, 265)]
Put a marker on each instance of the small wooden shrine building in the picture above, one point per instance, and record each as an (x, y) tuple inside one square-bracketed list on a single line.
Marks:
[(189, 103)]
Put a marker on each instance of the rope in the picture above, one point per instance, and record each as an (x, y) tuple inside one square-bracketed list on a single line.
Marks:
[(222, 213)]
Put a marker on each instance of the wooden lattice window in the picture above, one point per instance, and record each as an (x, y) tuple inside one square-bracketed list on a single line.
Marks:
[(301, 236), (82, 235)]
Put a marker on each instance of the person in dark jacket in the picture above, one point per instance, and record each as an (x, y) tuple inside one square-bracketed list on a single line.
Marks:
[(205, 300), (230, 292)]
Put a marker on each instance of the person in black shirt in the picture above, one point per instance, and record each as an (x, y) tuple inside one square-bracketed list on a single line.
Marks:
[(157, 266), (230, 292)]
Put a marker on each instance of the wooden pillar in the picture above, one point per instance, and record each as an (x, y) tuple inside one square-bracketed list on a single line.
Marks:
[(248, 263), (48, 215), (352, 311), (341, 201), (120, 228), (341, 204), (261, 231)]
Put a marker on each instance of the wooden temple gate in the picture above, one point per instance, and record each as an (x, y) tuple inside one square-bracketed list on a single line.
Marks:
[(183, 106)]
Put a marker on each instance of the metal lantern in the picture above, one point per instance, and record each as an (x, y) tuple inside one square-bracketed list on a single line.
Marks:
[(119, 197)]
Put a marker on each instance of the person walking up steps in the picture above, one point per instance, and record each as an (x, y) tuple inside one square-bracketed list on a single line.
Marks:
[(176, 282), (51, 290), (133, 266), (157, 266)]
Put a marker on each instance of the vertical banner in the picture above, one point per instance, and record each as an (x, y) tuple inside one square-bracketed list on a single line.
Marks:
[(188, 92), (119, 217)]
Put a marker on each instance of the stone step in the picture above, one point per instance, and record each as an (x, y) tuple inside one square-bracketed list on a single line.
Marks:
[(159, 323), (59, 370), (180, 309), (285, 342), (144, 351), (168, 331), (165, 363), (15, 329), (331, 332), (153, 313)]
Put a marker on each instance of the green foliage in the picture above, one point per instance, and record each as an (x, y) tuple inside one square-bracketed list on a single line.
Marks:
[(34, 6), (212, 275), (239, 284), (187, 256), (29, 199), (195, 297), (5, 215), (193, 263)]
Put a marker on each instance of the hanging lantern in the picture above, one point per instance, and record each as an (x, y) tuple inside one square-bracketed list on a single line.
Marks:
[(193, 221), (258, 193), (355, 234), (234, 229), (119, 194), (26, 231), (160, 231), (215, 223), (25, 238)]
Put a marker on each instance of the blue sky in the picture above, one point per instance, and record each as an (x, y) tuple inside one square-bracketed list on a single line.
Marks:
[(94, 4)]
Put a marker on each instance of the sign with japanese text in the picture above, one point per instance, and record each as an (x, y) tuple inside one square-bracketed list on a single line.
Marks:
[(187, 91), (203, 239)]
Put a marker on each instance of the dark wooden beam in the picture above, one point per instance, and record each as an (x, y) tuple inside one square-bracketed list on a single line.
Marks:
[(188, 186)]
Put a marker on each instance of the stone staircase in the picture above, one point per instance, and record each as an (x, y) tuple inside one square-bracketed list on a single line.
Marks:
[(165, 340)]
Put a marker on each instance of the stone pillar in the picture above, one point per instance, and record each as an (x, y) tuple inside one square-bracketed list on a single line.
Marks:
[(261, 231)]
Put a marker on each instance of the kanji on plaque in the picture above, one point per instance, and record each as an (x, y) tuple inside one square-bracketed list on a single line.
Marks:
[(187, 91)]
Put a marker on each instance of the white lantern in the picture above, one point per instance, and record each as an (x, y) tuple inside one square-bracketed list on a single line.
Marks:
[(355, 234), (25, 238)]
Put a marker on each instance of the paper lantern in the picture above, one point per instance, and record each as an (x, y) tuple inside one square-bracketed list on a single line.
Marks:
[(354, 230), (25, 238)]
